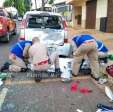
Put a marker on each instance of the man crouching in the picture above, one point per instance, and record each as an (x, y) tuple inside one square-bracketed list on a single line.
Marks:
[(39, 57)]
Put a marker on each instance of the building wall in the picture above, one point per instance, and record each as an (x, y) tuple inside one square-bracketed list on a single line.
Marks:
[(1, 3), (78, 14), (75, 13), (83, 15), (73, 17), (101, 11), (78, 9), (91, 14), (110, 17)]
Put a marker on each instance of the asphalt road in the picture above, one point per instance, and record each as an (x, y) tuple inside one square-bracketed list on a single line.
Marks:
[(52, 97), (4, 49)]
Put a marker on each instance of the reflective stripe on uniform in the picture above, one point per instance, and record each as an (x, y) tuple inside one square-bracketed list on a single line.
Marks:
[(88, 41), (41, 62), (20, 46), (101, 47)]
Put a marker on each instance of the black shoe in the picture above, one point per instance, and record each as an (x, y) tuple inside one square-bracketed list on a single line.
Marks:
[(58, 72), (103, 60), (5, 66), (2, 69), (104, 107), (38, 78), (23, 69)]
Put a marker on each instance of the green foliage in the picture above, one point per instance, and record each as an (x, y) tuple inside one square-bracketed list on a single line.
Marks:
[(51, 1), (21, 5), (8, 3), (27, 4)]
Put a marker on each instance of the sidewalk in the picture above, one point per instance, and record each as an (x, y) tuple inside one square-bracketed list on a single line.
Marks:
[(107, 38)]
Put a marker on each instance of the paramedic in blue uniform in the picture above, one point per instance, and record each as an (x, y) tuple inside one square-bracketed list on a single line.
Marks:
[(85, 45), (18, 52), (102, 49)]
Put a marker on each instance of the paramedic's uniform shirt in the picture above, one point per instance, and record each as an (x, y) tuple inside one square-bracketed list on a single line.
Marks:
[(102, 47), (18, 48), (38, 52), (80, 39)]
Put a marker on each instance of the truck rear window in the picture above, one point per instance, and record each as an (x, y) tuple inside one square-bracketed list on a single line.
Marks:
[(38, 21)]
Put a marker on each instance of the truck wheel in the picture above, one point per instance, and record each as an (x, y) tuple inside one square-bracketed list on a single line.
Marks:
[(6, 37), (15, 31)]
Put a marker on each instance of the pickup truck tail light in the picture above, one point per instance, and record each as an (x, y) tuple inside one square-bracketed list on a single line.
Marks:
[(65, 40), (23, 24), (1, 26), (65, 24), (22, 35), (65, 28)]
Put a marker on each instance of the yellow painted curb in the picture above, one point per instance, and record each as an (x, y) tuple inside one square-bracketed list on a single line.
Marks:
[(9, 82)]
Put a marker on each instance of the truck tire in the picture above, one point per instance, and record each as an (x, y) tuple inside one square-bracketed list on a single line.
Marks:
[(6, 38), (15, 31)]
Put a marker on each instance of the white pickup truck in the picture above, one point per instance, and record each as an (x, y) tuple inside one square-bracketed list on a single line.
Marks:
[(49, 27)]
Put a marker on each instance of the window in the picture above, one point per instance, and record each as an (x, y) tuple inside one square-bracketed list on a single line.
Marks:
[(39, 21)]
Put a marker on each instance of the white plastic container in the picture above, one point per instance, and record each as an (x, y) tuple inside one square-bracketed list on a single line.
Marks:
[(66, 74)]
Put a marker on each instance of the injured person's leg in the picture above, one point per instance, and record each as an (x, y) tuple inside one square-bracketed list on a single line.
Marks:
[(17, 61), (54, 59)]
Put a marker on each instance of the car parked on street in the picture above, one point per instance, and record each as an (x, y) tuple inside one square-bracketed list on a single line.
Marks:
[(7, 25), (50, 27)]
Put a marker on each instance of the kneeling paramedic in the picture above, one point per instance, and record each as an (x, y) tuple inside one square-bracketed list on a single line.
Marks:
[(39, 58), (86, 46)]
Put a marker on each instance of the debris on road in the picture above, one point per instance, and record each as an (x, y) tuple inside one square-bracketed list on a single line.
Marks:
[(85, 90), (104, 108), (3, 76), (1, 82), (74, 87), (65, 66), (78, 110), (109, 93), (2, 97), (110, 57), (103, 80)]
